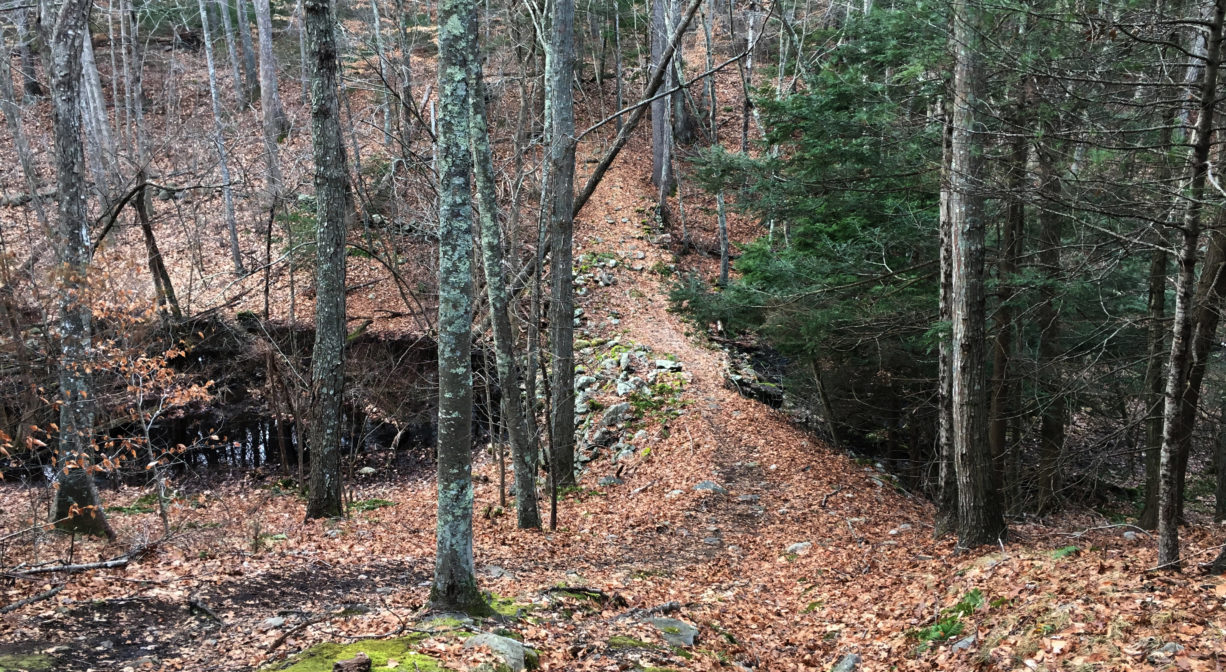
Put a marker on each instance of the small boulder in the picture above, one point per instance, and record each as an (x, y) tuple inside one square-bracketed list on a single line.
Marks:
[(367, 471), (800, 548), (847, 663), (514, 655), (711, 486), (609, 481), (616, 415), (675, 631), (668, 365), (584, 382)]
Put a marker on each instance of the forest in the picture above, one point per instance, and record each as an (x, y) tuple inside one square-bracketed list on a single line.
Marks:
[(634, 335)]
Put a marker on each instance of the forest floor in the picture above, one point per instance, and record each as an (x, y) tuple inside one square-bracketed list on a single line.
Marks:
[(788, 556)]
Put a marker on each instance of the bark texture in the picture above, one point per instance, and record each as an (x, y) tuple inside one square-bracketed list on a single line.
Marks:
[(77, 507), (332, 208), (455, 583), (980, 519)]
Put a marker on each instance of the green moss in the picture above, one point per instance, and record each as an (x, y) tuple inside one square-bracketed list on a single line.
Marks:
[(623, 642), (370, 504), (320, 658), (29, 662), (507, 607)]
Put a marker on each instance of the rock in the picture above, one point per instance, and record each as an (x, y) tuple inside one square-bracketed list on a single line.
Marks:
[(1130, 536), (515, 655), (624, 454), (673, 494), (627, 386), (640, 436), (711, 486), (604, 278), (616, 415), (608, 481), (675, 631), (638, 255), (901, 528), (272, 623), (846, 663), (367, 471), (800, 547), (668, 365), (748, 498), (608, 364), (966, 643), (602, 437), (358, 663), (584, 382), (711, 541), (582, 407), (1171, 648), (579, 312)]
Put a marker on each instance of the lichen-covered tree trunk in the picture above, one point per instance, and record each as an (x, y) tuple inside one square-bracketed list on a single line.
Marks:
[(219, 143), (1179, 364), (946, 491), (332, 208), (523, 455), (561, 193), (77, 506), (980, 519), (275, 122), (455, 583)]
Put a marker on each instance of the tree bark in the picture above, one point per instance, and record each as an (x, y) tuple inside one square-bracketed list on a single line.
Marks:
[(523, 455), (561, 192), (1002, 350), (455, 584), (333, 205), (77, 507), (946, 492), (276, 124), (1179, 364), (219, 143), (240, 85), (980, 519), (250, 70)]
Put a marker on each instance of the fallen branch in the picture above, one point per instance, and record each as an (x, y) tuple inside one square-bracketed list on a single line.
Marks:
[(198, 604), (830, 494), (1077, 535), (32, 599), (298, 628), (590, 593), (71, 569)]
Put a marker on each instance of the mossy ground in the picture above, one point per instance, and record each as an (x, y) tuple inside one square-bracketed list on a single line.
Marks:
[(319, 658), (27, 662)]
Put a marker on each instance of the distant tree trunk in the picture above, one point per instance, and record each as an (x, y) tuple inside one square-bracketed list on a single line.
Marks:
[(77, 507), (708, 25), (240, 86), (250, 71), (1219, 509), (275, 122), (523, 456), (219, 142), (1155, 345), (332, 207), (660, 130), (980, 519), (30, 86), (1052, 412), (455, 584), (102, 149), (1002, 351), (561, 192), (1179, 365), (13, 119)]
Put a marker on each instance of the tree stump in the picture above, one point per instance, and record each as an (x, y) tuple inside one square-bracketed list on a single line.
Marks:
[(358, 663)]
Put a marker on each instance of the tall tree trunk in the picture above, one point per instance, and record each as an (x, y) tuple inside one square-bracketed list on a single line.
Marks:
[(946, 493), (77, 507), (980, 519), (659, 108), (250, 70), (1002, 350), (455, 584), (523, 457), (1052, 412), (561, 192), (276, 124), (1179, 365), (219, 143), (240, 85), (332, 208), (102, 149), (13, 119)]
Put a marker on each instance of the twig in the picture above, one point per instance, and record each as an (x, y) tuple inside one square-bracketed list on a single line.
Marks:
[(1077, 535), (32, 599), (594, 593), (830, 494), (298, 628), (1178, 561)]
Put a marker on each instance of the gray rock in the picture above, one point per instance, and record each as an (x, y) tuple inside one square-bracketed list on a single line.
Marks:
[(367, 471), (668, 365), (608, 364), (846, 663), (711, 541), (1130, 536), (673, 494), (623, 455), (616, 415), (584, 382), (675, 631), (711, 486), (1171, 648), (514, 654), (640, 436), (626, 362), (271, 623), (602, 437), (610, 481), (748, 498), (627, 386), (800, 547), (966, 643)]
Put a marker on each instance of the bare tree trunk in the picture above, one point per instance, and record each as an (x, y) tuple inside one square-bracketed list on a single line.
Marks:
[(30, 86), (561, 193), (219, 142), (659, 107), (980, 519), (455, 584), (1178, 368), (77, 507), (947, 484), (1002, 350), (332, 208), (275, 122), (14, 121), (523, 457), (250, 71), (240, 86), (102, 150)]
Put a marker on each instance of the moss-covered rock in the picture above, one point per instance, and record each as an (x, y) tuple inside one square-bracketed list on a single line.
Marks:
[(319, 658)]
